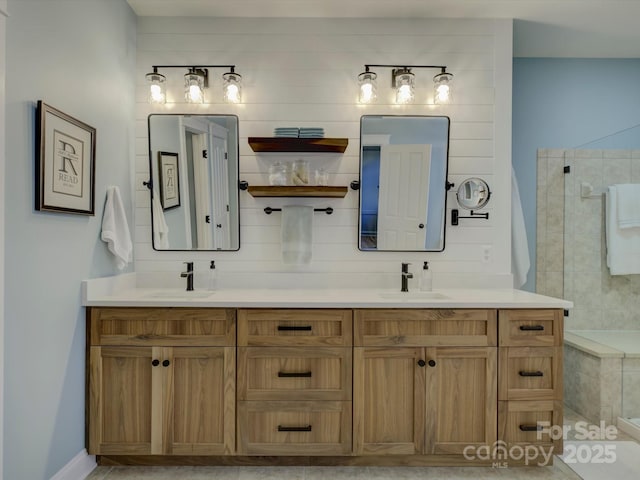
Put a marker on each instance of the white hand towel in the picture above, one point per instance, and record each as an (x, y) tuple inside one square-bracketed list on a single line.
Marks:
[(628, 200), (115, 230), (160, 227), (297, 234), (623, 245), (520, 262)]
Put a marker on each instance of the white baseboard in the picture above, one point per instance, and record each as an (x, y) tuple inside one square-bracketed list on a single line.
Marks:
[(78, 468)]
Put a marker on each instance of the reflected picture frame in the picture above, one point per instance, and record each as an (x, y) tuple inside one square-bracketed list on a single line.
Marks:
[(65, 162), (169, 176)]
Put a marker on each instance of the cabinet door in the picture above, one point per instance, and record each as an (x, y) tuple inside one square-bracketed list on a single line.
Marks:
[(388, 401), (200, 386), (120, 400), (461, 403)]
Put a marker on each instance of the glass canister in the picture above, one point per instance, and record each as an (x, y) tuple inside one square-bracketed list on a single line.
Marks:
[(300, 172), (277, 174), (322, 177)]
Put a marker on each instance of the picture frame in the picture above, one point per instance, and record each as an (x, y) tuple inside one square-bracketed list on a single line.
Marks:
[(169, 175), (65, 162)]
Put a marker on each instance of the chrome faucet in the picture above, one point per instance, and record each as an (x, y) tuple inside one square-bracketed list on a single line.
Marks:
[(405, 277), (188, 275)]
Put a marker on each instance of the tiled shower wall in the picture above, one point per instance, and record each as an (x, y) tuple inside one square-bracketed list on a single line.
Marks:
[(302, 72), (571, 254)]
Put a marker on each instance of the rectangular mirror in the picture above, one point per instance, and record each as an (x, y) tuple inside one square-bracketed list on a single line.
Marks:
[(193, 161), (403, 177)]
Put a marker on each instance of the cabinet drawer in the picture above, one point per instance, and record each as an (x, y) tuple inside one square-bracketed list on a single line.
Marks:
[(531, 328), (293, 327), (286, 373), (294, 428), (425, 327), (162, 326), (530, 373), (529, 422)]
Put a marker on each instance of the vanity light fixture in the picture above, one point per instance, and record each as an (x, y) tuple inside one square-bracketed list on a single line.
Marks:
[(196, 80), (232, 87), (157, 87), (403, 81), (368, 86)]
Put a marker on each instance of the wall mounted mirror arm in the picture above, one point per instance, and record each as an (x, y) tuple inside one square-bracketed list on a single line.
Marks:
[(472, 194)]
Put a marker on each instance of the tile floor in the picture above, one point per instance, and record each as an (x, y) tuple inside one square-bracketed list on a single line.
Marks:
[(559, 471)]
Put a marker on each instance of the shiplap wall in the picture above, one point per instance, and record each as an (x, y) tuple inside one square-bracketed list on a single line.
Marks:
[(303, 72)]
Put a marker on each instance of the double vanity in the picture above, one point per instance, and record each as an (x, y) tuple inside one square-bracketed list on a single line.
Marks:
[(348, 377)]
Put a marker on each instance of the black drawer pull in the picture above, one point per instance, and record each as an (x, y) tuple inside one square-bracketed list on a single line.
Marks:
[(531, 428), (524, 373), (294, 429), (294, 374), (294, 328), (531, 328)]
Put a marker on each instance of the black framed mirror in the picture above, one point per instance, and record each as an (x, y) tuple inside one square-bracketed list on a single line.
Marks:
[(403, 182), (194, 164)]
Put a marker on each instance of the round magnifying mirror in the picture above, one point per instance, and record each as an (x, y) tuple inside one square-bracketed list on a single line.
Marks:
[(473, 193)]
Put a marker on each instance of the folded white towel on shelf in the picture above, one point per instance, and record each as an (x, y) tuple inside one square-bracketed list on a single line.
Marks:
[(628, 199), (297, 234), (115, 229), (160, 227), (623, 245)]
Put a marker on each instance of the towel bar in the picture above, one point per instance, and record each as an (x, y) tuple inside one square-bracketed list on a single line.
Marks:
[(328, 210), (587, 191)]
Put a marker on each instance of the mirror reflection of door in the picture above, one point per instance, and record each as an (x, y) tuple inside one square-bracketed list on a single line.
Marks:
[(403, 196), (206, 146)]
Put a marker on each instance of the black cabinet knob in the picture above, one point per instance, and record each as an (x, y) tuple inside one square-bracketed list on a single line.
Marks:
[(432, 363), (155, 362), (166, 363), (422, 363), (421, 225)]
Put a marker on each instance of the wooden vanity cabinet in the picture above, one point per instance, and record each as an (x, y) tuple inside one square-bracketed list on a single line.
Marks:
[(161, 381), (530, 377), (294, 382), (379, 386), (424, 381)]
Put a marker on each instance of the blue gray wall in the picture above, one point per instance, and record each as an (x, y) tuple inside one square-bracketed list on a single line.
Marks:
[(78, 56), (569, 103)]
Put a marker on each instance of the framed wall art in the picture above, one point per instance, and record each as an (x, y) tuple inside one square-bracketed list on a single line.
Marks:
[(65, 162), (169, 180)]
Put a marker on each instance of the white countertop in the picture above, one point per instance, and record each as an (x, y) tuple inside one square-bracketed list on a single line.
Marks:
[(124, 293)]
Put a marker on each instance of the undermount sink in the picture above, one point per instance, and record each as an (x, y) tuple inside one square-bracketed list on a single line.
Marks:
[(181, 294), (413, 296)]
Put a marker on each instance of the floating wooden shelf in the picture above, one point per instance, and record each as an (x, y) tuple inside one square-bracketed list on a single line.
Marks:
[(296, 191), (284, 144)]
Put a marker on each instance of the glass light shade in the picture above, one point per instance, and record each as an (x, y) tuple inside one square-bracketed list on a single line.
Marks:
[(157, 88), (232, 87), (194, 87), (368, 87), (405, 87), (442, 94)]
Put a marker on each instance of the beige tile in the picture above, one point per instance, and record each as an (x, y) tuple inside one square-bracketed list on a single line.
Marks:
[(613, 154), (99, 473), (616, 170), (541, 172), (173, 473), (588, 154), (555, 176)]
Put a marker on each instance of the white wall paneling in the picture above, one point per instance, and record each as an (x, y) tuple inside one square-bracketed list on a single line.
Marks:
[(303, 72)]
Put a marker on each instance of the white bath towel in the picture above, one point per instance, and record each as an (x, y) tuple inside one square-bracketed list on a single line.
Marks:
[(297, 234), (623, 245), (520, 262), (115, 229), (628, 199), (160, 227)]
